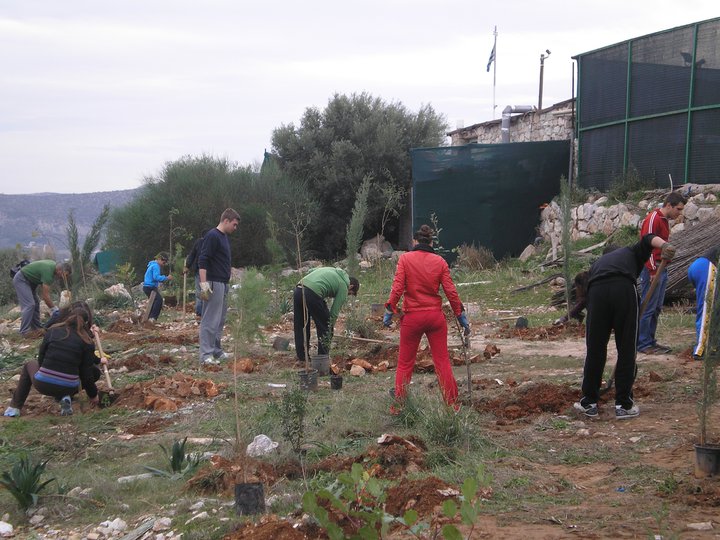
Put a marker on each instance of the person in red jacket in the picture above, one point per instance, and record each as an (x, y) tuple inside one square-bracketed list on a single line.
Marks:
[(418, 277), (656, 222)]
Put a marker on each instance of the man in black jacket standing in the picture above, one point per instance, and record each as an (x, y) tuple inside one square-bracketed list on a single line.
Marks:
[(215, 270), (613, 305)]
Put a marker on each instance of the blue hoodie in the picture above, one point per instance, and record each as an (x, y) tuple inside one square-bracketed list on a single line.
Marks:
[(152, 275)]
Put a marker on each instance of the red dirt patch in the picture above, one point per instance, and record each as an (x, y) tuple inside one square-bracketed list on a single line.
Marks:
[(421, 495), (222, 475), (392, 461), (529, 399), (148, 426), (542, 333), (166, 393), (137, 362), (270, 528)]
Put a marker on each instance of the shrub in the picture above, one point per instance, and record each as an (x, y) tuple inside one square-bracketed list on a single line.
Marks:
[(474, 258), (23, 481)]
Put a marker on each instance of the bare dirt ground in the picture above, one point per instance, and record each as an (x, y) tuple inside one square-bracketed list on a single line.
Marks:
[(599, 478)]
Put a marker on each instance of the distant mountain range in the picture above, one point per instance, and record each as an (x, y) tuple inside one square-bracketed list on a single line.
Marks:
[(41, 218)]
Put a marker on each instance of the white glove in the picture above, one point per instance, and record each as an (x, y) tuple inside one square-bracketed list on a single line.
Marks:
[(205, 291)]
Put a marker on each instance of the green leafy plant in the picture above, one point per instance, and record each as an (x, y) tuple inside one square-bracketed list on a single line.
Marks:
[(23, 481), (179, 463), (81, 257), (357, 499), (293, 412), (473, 491), (354, 233)]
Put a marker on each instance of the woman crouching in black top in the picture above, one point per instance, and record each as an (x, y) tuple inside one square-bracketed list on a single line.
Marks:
[(66, 361)]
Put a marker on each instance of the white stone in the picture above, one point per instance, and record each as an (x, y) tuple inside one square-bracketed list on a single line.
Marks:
[(197, 506), (698, 199), (93, 536), (705, 213), (134, 478), (357, 371), (601, 200), (702, 526), (200, 516), (691, 210), (710, 197), (677, 228), (162, 524), (36, 519), (6, 530), (528, 252)]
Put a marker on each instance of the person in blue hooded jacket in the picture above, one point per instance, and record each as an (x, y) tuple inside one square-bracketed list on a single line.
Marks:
[(153, 278)]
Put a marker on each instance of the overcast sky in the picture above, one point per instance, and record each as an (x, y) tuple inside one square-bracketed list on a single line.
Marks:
[(96, 95)]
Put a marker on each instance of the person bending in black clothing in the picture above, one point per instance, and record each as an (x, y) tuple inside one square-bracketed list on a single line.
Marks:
[(66, 361), (612, 305)]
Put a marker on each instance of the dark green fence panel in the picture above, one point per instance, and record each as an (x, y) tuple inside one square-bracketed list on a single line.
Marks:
[(487, 194), (651, 104)]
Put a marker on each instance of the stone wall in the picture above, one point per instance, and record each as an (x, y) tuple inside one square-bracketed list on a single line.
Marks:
[(551, 124), (598, 214)]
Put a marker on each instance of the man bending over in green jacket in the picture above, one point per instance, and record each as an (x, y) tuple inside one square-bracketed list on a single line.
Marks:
[(309, 303)]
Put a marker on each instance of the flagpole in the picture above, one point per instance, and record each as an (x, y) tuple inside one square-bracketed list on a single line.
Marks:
[(494, 69)]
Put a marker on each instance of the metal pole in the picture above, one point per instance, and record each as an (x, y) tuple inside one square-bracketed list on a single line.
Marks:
[(542, 69), (494, 70)]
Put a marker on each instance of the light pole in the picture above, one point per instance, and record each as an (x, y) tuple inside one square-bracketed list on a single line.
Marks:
[(543, 56)]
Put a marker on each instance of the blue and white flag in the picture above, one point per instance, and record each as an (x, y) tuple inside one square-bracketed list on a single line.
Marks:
[(492, 57)]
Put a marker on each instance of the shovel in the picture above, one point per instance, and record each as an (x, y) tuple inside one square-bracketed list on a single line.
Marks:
[(106, 398), (151, 301), (648, 296), (465, 340)]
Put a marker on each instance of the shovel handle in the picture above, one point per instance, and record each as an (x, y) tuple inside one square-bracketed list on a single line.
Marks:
[(653, 286), (102, 355)]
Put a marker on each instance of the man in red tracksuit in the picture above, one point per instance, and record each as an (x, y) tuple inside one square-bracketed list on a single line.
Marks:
[(656, 222), (418, 277)]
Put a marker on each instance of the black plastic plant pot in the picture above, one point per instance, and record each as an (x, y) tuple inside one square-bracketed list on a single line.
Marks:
[(308, 379), (336, 382), (707, 460), (249, 498), (321, 362)]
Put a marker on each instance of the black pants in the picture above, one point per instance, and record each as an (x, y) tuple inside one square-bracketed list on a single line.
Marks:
[(612, 306), (316, 310), (157, 304)]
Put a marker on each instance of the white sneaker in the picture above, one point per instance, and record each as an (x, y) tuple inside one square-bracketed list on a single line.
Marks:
[(209, 361), (11, 411), (622, 414), (223, 356), (66, 406)]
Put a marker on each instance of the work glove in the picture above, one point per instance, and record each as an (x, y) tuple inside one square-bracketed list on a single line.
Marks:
[(54, 311), (462, 319), (387, 318), (561, 320), (205, 291), (667, 251)]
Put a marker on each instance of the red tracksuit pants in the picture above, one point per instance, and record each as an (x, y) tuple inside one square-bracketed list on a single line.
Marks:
[(412, 327)]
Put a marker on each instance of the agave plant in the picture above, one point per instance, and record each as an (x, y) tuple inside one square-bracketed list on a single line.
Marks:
[(180, 462), (23, 481)]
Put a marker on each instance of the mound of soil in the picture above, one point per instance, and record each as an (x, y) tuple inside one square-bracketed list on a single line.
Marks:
[(542, 333), (166, 393), (270, 528), (222, 475), (530, 399), (423, 496), (392, 460), (137, 362)]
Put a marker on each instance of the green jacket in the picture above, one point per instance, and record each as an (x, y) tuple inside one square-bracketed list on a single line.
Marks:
[(39, 272), (329, 282)]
